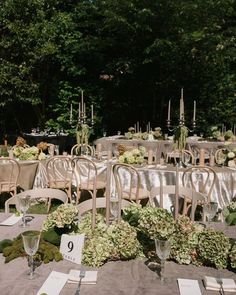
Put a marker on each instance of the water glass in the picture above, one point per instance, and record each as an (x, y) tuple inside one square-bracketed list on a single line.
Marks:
[(31, 243), (163, 248), (24, 204), (210, 210), (114, 207)]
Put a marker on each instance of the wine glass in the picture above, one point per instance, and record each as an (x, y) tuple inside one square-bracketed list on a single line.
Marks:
[(163, 248), (24, 204), (31, 243), (209, 211), (104, 133), (114, 207)]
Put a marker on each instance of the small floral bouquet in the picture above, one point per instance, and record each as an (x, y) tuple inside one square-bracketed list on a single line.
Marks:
[(229, 212), (29, 153), (135, 156), (157, 133), (156, 223), (65, 215)]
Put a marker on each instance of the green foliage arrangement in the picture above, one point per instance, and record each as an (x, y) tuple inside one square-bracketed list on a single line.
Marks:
[(229, 212), (213, 248), (46, 252)]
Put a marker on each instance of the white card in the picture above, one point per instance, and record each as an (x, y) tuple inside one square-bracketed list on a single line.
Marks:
[(71, 247), (13, 219), (54, 283), (187, 287)]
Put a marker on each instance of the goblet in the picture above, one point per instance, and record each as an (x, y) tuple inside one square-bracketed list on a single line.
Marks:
[(163, 251), (31, 243), (114, 207), (209, 211), (24, 204)]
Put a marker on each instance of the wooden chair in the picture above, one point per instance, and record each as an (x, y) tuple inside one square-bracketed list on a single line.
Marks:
[(82, 150), (180, 194), (187, 157), (87, 179), (59, 171), (220, 156), (87, 205), (201, 179), (10, 171), (128, 183)]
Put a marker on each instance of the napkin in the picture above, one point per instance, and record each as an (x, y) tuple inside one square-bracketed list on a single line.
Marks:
[(13, 219), (54, 283), (187, 287), (227, 284), (89, 279)]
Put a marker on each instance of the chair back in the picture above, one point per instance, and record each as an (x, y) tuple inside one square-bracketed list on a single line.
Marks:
[(220, 156), (157, 195), (83, 150), (201, 179), (86, 179), (44, 193), (186, 156), (127, 181), (59, 171), (10, 171)]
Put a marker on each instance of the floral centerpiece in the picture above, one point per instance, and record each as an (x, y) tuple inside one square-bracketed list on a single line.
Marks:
[(135, 156), (229, 213), (28, 153)]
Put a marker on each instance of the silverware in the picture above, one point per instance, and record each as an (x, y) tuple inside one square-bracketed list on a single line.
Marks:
[(81, 276), (220, 282)]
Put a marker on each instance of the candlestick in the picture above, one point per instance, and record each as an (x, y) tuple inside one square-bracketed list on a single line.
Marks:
[(79, 109), (92, 111), (71, 109), (82, 101), (137, 126), (194, 111), (169, 111)]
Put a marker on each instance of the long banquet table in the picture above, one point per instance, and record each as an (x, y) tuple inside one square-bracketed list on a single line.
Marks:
[(115, 277), (161, 146)]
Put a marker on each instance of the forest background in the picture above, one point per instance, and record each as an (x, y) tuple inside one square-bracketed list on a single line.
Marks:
[(128, 56)]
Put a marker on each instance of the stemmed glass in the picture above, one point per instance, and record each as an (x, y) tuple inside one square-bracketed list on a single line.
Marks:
[(24, 204), (31, 240), (114, 207), (163, 248), (209, 211)]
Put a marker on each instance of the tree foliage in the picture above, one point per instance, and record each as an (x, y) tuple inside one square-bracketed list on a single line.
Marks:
[(129, 57)]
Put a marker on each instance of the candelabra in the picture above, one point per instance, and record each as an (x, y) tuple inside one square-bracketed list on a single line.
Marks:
[(181, 116)]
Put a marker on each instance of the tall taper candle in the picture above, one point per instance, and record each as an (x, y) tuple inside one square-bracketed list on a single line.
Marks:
[(71, 109), (137, 126), (82, 102), (169, 111), (92, 111), (194, 111), (79, 109)]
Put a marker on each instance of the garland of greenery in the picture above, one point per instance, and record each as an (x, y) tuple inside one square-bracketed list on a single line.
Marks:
[(82, 134), (133, 237), (180, 136)]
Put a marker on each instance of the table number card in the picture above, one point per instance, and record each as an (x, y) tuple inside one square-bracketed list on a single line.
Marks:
[(71, 247)]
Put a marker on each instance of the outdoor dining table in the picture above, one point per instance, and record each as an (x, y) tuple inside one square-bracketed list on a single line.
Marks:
[(114, 277)]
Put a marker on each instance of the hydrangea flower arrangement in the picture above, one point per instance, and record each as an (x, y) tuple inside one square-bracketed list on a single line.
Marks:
[(229, 212), (213, 248), (185, 240), (135, 156), (65, 215)]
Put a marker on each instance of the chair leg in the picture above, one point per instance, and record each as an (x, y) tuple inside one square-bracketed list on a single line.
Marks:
[(49, 204)]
